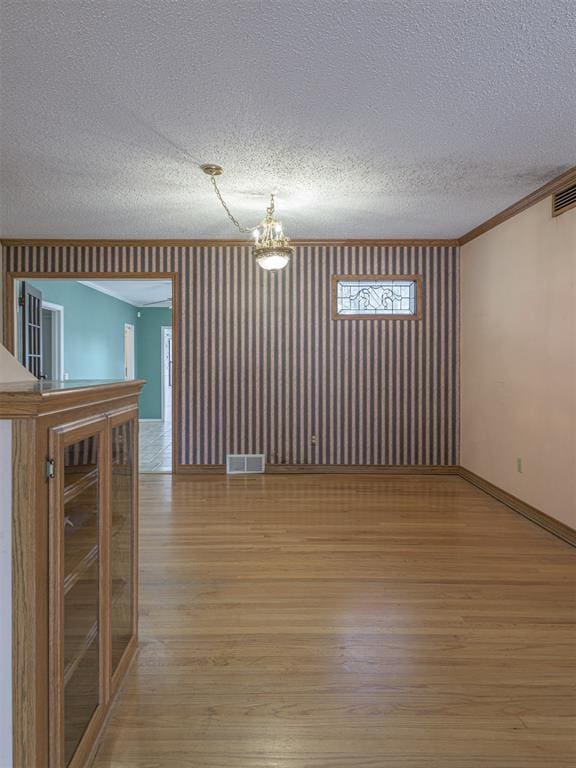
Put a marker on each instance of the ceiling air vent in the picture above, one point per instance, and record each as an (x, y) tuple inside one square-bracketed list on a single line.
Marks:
[(564, 200)]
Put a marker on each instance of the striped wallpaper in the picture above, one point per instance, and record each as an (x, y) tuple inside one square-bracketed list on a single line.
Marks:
[(264, 369)]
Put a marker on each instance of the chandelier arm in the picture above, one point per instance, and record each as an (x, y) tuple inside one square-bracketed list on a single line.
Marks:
[(230, 216), (271, 249)]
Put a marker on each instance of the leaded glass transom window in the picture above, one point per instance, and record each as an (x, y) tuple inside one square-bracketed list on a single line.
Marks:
[(375, 296)]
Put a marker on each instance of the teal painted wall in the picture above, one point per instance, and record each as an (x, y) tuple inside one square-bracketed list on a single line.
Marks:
[(94, 337), (149, 358), (93, 329)]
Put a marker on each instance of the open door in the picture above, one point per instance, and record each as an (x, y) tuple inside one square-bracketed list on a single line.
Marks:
[(31, 303), (166, 376), (129, 352)]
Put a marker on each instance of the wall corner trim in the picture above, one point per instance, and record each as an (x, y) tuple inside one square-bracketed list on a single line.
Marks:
[(561, 530), (550, 188)]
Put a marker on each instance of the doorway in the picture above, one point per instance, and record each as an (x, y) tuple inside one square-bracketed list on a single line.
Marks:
[(129, 352), (95, 327), (166, 373), (156, 434), (52, 341)]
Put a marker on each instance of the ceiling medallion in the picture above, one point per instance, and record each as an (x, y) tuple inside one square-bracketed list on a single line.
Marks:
[(271, 249)]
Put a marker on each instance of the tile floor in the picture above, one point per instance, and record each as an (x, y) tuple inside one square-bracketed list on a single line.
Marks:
[(156, 446)]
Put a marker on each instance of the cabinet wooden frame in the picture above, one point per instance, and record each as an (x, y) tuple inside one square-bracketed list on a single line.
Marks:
[(29, 593), (60, 438), (36, 414), (335, 279), (129, 416)]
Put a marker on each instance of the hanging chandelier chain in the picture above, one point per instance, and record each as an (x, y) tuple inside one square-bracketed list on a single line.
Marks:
[(270, 209), (230, 216), (271, 247)]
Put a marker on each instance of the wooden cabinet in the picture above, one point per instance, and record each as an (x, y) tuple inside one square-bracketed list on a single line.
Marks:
[(74, 563), (123, 550), (79, 608)]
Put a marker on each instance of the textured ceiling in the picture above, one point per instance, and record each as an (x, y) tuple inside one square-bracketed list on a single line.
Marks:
[(411, 118)]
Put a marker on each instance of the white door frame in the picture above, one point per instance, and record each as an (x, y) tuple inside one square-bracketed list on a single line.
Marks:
[(163, 330), (57, 337), (129, 352)]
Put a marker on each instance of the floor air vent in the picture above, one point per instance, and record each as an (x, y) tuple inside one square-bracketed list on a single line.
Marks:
[(245, 463), (564, 200)]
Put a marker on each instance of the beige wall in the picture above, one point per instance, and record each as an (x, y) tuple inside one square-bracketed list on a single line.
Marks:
[(1, 297), (518, 358)]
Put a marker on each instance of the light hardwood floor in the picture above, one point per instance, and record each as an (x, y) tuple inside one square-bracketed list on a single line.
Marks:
[(339, 621)]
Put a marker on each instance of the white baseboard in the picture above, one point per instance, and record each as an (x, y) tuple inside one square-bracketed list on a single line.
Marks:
[(149, 419)]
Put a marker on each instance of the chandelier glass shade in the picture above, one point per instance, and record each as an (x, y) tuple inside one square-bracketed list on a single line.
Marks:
[(271, 249)]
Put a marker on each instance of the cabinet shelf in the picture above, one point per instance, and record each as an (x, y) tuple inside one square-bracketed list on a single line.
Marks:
[(74, 574), (79, 484), (81, 614), (74, 662), (118, 588), (81, 542)]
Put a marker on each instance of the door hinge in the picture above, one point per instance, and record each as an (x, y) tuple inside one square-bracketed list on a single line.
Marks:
[(50, 469)]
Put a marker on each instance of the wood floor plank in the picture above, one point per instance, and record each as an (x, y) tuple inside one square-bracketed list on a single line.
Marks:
[(334, 621)]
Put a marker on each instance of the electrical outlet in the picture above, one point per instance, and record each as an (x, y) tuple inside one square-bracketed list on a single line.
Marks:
[(519, 465), (313, 439)]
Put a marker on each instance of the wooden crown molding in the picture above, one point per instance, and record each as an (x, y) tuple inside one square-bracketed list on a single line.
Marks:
[(550, 188), (11, 241)]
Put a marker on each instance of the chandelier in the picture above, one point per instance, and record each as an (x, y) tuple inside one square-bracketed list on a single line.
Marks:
[(271, 248)]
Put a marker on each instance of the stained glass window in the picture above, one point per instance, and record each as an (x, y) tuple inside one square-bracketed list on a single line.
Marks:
[(375, 296)]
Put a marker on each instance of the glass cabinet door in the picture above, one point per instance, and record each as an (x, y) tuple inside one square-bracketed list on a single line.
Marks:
[(76, 565), (122, 537)]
